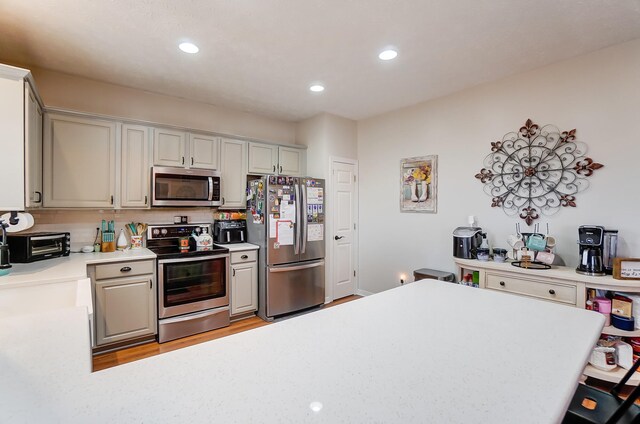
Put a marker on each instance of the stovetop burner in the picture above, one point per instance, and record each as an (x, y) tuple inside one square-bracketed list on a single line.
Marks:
[(163, 240), (173, 251)]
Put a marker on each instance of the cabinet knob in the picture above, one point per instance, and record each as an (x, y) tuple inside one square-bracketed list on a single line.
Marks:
[(125, 269), (552, 291), (502, 283), (244, 257)]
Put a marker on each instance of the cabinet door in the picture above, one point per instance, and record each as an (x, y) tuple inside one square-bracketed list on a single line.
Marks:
[(79, 162), (292, 161), (125, 308), (33, 149), (244, 288), (12, 142), (134, 183), (204, 151), (263, 158), (233, 155), (169, 147)]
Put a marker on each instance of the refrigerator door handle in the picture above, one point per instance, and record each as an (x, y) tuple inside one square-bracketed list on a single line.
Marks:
[(303, 217), (296, 241), (296, 267)]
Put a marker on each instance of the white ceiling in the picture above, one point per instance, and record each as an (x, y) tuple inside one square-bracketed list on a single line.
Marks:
[(262, 55)]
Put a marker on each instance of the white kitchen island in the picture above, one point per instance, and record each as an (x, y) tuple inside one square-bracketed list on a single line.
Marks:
[(428, 352)]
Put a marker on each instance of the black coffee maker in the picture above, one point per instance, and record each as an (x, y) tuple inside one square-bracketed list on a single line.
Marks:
[(590, 241), (466, 241)]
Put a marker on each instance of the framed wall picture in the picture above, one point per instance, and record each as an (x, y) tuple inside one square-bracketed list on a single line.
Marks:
[(419, 184), (626, 268)]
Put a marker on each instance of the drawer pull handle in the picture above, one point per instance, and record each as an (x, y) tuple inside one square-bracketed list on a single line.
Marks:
[(552, 291), (244, 257), (125, 269), (502, 283)]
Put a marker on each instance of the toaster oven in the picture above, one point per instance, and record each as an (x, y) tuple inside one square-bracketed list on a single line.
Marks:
[(31, 247)]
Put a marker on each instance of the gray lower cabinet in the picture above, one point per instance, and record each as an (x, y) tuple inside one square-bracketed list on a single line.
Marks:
[(125, 301), (244, 282)]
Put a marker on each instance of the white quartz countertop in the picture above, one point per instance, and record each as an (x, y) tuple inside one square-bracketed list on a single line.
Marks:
[(68, 268), (237, 247), (425, 352)]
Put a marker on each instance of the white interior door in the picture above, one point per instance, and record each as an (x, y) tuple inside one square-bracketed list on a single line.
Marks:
[(344, 192)]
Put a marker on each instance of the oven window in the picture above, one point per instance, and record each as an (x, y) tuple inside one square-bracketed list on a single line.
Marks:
[(187, 282), (187, 187)]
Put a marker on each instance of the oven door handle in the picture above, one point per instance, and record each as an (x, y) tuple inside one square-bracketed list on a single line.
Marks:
[(296, 267), (57, 236), (192, 259), (193, 315)]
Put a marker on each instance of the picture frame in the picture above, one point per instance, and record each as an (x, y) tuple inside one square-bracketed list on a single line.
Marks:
[(626, 268), (419, 184)]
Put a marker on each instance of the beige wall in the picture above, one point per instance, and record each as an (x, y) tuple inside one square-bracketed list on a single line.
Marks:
[(326, 136), (85, 95), (598, 94)]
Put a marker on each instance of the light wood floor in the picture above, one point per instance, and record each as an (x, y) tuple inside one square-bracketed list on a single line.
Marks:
[(111, 359)]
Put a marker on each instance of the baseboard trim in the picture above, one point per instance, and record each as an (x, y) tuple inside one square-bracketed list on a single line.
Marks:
[(361, 292)]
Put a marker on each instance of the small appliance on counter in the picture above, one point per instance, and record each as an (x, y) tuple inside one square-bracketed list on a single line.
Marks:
[(590, 242), (230, 231), (31, 247), (609, 250), (466, 242)]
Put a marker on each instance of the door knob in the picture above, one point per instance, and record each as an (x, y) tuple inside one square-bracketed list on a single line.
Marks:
[(338, 237)]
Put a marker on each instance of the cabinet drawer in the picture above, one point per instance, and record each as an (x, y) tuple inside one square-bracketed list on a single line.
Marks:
[(549, 291), (124, 269), (244, 256)]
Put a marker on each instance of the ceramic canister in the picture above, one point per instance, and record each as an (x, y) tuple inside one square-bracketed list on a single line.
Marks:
[(603, 305)]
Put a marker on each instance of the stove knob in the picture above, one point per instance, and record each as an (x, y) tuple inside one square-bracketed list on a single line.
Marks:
[(164, 231), (156, 232)]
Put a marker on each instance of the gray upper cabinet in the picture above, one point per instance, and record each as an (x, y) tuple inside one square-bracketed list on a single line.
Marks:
[(79, 161), (272, 159), (263, 158), (292, 161), (169, 147), (134, 160), (184, 149), (233, 155), (33, 148)]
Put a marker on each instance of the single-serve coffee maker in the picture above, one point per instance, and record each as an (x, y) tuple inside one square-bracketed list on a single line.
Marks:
[(466, 241), (591, 243)]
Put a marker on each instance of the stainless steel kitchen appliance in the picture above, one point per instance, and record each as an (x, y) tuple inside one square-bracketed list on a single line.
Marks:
[(230, 231), (609, 250), (286, 219), (31, 247), (466, 242), (185, 187), (193, 284), (590, 241)]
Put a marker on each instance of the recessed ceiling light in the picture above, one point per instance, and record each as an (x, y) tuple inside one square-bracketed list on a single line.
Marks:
[(316, 88), (388, 54), (189, 48)]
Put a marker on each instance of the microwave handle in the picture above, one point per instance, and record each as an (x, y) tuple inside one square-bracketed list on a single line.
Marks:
[(210, 188), (57, 236)]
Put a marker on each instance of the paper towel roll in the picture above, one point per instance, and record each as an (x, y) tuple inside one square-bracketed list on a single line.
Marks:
[(25, 221)]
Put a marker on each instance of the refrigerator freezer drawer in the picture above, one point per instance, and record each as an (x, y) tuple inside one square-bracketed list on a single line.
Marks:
[(294, 287)]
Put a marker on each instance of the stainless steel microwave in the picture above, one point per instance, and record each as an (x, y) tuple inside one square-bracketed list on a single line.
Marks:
[(184, 187)]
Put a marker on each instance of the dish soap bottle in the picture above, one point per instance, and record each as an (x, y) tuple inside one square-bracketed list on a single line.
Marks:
[(121, 244)]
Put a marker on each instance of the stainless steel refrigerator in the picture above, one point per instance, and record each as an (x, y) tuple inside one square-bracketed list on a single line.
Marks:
[(285, 218)]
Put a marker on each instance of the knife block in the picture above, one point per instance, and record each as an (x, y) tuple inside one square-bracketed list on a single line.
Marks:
[(108, 246)]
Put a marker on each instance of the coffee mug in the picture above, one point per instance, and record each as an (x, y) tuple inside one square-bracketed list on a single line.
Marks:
[(551, 242), (515, 242), (545, 257)]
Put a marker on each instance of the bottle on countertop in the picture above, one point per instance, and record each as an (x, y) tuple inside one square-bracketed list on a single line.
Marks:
[(485, 243)]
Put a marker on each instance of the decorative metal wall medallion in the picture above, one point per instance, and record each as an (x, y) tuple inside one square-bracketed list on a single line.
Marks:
[(536, 170)]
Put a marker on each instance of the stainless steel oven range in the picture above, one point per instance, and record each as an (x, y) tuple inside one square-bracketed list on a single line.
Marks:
[(193, 283)]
